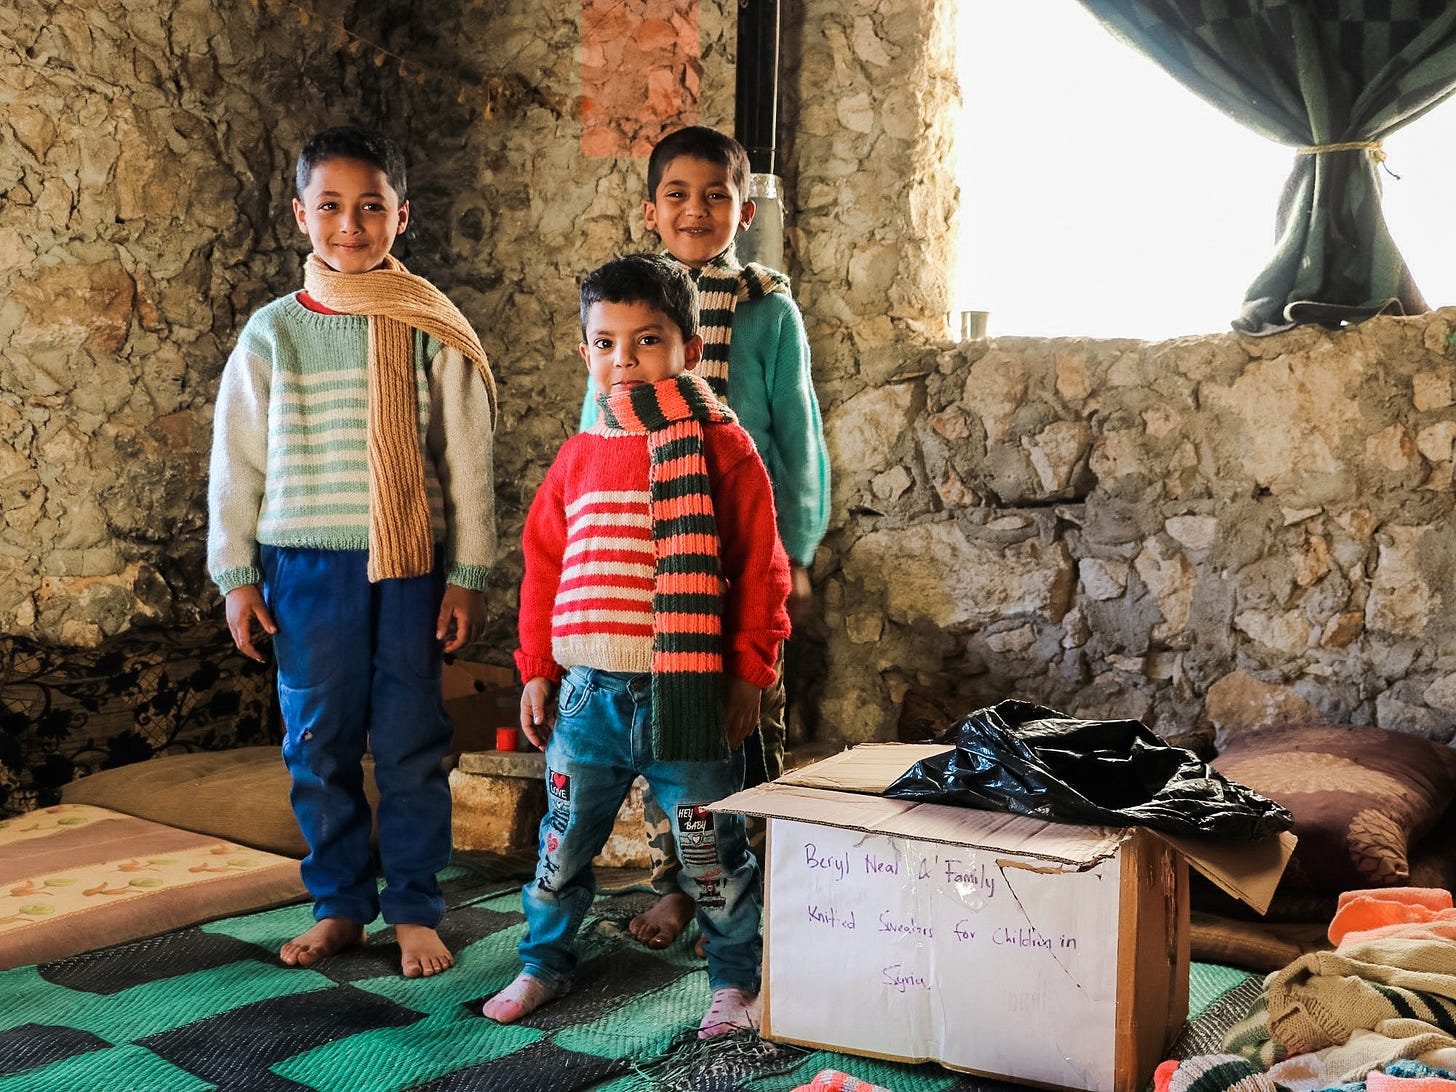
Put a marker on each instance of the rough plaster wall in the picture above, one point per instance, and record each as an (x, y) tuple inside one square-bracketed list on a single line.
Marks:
[(1212, 528), (146, 173), (870, 102), (144, 159)]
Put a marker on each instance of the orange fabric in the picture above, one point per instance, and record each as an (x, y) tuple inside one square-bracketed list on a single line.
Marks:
[(1369, 912), (835, 1080)]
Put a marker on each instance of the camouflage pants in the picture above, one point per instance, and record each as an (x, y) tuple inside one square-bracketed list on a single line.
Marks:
[(763, 754)]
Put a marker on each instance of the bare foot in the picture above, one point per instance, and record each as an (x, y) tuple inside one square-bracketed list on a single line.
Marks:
[(329, 936), (521, 998), (660, 925), (423, 952)]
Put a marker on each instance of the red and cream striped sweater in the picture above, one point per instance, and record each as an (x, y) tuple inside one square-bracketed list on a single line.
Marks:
[(586, 596)]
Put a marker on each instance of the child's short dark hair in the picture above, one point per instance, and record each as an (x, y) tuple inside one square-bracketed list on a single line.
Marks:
[(699, 142), (351, 142), (654, 279)]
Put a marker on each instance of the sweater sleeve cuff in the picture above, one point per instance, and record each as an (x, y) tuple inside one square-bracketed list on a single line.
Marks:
[(754, 659), (532, 667), (229, 579), (470, 577)]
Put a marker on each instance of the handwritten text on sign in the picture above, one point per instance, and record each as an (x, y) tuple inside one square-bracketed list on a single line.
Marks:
[(962, 873)]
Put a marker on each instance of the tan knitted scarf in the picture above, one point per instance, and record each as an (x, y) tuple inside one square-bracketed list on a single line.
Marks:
[(396, 301)]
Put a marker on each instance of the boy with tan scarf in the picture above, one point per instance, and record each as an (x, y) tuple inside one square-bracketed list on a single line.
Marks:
[(351, 517)]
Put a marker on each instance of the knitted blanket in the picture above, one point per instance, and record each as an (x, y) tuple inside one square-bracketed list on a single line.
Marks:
[(1386, 993)]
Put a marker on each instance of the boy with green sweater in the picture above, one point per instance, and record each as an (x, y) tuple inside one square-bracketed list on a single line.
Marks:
[(756, 358)]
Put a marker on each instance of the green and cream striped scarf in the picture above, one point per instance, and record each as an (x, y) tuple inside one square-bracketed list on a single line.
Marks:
[(722, 284)]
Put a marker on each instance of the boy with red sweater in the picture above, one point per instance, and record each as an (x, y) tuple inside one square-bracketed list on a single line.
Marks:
[(654, 597)]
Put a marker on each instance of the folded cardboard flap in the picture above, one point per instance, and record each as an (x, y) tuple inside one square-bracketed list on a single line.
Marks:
[(1057, 843), (1248, 871), (868, 767)]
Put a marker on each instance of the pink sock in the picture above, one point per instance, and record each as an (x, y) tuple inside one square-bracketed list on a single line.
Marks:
[(521, 998), (729, 1011)]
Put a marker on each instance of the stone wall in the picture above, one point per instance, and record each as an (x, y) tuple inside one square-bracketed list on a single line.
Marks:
[(144, 188), (515, 213), (1209, 528), (1223, 530)]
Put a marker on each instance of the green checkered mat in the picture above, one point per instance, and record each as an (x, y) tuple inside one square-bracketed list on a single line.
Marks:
[(211, 1007)]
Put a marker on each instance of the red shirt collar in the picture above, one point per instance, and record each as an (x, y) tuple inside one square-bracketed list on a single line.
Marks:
[(314, 305)]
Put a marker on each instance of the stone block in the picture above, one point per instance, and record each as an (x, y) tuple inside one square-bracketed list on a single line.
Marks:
[(499, 799), (497, 812)]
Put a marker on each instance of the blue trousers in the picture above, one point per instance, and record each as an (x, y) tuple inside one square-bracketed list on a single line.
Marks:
[(358, 664), (602, 740)]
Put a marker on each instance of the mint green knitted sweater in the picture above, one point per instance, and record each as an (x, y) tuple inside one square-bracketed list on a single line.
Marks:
[(290, 465)]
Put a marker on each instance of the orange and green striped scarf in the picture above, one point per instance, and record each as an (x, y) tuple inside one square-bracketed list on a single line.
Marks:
[(687, 594)]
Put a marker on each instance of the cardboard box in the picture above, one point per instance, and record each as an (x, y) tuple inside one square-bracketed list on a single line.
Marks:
[(999, 945), (479, 698)]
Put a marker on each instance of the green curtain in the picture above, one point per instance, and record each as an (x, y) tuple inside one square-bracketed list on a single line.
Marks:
[(1311, 74)]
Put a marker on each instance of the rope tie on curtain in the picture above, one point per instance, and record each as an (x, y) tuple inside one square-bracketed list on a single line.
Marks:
[(1377, 153)]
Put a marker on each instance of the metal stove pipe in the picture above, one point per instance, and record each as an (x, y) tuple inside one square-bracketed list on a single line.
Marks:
[(756, 127)]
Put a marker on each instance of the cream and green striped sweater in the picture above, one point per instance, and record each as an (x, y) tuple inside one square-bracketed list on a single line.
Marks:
[(290, 465)]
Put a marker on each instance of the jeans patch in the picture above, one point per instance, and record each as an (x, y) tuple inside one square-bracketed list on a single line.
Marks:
[(697, 842), (558, 785)]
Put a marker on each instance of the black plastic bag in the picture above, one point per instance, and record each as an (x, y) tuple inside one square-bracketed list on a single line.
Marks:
[(1021, 758)]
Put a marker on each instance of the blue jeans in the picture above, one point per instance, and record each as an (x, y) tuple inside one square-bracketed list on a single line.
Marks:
[(602, 740), (358, 664)]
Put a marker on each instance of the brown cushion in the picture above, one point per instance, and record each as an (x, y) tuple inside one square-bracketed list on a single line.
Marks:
[(74, 878), (1360, 797), (1255, 945), (241, 795)]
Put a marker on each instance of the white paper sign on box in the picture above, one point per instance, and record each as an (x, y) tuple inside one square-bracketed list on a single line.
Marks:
[(917, 949)]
